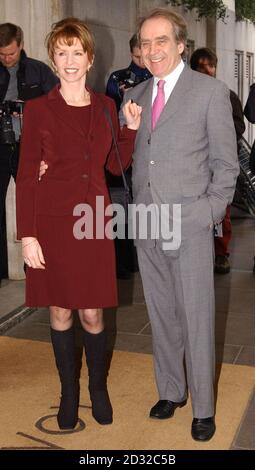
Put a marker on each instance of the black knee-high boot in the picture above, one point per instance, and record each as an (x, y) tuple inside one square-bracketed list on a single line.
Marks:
[(64, 351), (96, 358)]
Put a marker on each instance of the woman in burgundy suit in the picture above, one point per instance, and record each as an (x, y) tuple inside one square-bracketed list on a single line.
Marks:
[(68, 129)]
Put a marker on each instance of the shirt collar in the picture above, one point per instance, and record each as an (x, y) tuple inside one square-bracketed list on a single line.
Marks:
[(172, 76)]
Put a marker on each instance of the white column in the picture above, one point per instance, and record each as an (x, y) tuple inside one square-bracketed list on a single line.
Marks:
[(230, 4)]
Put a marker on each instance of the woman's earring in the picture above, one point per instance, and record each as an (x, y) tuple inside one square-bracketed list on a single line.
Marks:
[(89, 67)]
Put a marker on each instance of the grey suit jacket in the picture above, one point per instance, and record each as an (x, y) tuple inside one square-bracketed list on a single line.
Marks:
[(190, 158)]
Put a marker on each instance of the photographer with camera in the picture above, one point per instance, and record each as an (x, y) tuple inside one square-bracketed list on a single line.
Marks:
[(21, 79), (123, 79), (118, 83)]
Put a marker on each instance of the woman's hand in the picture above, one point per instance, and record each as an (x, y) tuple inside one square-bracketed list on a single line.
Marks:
[(132, 113), (42, 169), (32, 253)]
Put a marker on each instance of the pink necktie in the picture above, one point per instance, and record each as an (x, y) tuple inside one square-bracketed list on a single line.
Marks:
[(158, 103)]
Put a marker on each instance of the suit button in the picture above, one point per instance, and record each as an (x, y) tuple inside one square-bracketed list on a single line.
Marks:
[(149, 141), (86, 157), (149, 184), (84, 176), (152, 162)]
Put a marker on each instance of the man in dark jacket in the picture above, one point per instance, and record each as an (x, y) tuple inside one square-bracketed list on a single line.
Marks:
[(204, 60), (21, 78)]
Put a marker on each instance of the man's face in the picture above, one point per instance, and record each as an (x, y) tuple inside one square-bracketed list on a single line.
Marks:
[(204, 66), (136, 56), (160, 52), (10, 55)]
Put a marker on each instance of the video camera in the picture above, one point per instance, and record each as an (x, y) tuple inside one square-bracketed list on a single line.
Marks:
[(127, 78), (7, 109)]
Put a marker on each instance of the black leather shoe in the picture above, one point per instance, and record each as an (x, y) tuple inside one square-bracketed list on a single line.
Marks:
[(203, 429), (221, 265), (165, 409)]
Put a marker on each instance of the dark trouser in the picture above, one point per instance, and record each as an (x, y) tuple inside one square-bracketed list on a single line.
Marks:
[(9, 157), (126, 257), (221, 243)]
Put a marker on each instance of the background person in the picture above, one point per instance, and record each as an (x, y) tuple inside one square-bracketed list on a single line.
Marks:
[(249, 109), (121, 80), (204, 60), (21, 78), (68, 127)]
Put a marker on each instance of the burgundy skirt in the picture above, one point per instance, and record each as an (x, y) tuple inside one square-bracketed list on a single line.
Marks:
[(78, 274)]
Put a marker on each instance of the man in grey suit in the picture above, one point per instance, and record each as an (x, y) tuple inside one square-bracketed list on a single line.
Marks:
[(186, 155)]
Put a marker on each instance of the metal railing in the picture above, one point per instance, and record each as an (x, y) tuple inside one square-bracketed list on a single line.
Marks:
[(245, 188)]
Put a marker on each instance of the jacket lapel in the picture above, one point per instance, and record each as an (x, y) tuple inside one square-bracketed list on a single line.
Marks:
[(183, 86), (145, 102)]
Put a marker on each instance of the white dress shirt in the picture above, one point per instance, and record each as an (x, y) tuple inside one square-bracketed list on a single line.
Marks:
[(170, 79)]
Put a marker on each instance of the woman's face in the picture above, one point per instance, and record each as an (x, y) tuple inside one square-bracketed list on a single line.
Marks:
[(71, 62)]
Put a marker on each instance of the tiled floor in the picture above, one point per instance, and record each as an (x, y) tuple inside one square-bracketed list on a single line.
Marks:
[(129, 326)]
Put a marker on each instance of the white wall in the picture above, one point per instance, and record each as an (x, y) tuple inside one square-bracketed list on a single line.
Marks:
[(225, 49), (112, 22), (245, 41)]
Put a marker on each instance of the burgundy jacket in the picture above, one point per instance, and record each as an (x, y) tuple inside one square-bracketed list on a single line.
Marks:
[(76, 157)]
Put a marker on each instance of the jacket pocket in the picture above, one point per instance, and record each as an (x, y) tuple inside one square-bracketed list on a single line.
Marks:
[(195, 186)]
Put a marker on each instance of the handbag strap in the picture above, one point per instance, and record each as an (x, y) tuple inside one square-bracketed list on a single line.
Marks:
[(109, 119)]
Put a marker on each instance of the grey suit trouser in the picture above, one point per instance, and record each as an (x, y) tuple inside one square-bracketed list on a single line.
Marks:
[(179, 293)]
